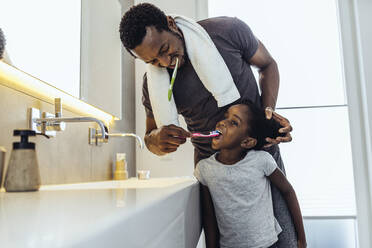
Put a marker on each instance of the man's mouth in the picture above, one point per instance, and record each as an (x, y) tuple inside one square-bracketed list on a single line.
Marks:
[(173, 62)]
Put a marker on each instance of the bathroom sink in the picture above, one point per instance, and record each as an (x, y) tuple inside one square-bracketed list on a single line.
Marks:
[(132, 183), (153, 213)]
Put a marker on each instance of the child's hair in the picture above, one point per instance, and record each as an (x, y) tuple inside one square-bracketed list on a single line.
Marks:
[(260, 127)]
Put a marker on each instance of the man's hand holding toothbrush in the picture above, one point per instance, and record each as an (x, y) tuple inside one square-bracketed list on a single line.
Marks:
[(165, 139)]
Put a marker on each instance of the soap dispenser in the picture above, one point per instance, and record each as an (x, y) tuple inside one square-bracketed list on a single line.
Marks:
[(23, 170)]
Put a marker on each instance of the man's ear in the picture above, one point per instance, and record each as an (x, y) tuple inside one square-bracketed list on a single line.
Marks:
[(248, 143), (172, 24)]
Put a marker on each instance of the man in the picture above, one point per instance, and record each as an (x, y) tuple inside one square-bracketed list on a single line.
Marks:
[(148, 34)]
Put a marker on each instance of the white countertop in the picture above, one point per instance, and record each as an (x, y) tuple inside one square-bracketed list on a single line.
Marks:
[(112, 213)]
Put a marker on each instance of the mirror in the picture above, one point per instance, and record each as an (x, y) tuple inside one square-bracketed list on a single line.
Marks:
[(71, 45)]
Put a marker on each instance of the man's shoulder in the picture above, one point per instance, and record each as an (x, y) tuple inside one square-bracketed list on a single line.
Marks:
[(218, 19), (220, 22), (230, 29)]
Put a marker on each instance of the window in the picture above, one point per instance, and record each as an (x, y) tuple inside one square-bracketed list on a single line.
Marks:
[(303, 37), (311, 95)]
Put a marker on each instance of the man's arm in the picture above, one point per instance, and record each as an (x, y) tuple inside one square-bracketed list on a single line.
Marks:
[(281, 182), (269, 85), (212, 234), (162, 140), (165, 139), (268, 75)]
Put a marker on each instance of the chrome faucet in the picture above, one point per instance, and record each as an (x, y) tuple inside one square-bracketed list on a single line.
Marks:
[(140, 142), (96, 138), (48, 124)]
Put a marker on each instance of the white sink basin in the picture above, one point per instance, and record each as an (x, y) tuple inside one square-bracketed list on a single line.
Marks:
[(132, 183), (154, 213)]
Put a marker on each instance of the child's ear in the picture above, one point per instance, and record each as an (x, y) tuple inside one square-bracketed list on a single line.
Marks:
[(248, 143)]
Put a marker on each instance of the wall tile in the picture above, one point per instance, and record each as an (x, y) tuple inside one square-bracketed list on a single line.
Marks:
[(66, 158)]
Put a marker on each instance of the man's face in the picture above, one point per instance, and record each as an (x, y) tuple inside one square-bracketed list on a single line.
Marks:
[(161, 48), (233, 128)]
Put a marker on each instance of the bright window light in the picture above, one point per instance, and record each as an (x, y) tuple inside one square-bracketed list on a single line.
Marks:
[(303, 37)]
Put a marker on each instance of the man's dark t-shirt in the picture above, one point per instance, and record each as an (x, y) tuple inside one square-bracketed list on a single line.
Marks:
[(236, 44)]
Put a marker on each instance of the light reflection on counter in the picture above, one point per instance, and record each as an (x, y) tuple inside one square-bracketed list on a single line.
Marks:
[(132, 183)]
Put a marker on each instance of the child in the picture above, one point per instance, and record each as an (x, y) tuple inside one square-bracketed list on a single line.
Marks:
[(235, 183)]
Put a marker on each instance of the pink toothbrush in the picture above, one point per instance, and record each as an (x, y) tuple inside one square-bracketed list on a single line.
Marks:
[(210, 135)]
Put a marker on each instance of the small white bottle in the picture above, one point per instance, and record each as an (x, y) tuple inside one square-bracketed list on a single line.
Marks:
[(121, 172)]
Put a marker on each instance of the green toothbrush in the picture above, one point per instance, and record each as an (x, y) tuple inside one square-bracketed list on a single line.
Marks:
[(172, 81)]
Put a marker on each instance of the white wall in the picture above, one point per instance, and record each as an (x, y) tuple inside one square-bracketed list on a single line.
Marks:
[(181, 162)]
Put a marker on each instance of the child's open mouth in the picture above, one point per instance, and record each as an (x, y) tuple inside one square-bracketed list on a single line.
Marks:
[(219, 136)]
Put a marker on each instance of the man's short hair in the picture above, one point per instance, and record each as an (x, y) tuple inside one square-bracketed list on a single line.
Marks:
[(136, 19), (2, 44)]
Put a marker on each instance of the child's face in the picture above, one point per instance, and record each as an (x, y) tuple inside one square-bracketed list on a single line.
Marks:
[(234, 128)]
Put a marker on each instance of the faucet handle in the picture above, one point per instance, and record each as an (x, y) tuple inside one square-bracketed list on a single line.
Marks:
[(95, 138), (58, 107)]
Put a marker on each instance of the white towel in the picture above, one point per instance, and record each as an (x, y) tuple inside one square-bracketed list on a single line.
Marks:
[(208, 65)]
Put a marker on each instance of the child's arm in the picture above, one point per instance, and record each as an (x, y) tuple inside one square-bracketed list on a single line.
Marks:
[(281, 182), (212, 234)]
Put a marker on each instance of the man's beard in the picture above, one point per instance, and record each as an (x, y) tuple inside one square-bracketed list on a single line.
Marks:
[(180, 37)]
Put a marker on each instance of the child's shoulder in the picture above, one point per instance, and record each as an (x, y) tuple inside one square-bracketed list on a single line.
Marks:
[(204, 169), (208, 165), (260, 155), (263, 161), (207, 161)]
